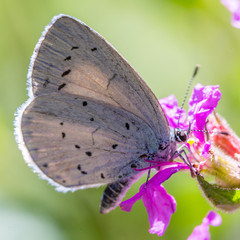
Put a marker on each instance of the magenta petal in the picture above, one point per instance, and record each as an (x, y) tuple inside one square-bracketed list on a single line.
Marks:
[(201, 232), (163, 175), (128, 204), (160, 207), (206, 149), (160, 177), (159, 204), (202, 102), (172, 112)]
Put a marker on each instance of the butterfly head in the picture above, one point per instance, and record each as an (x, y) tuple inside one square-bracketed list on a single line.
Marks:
[(181, 135)]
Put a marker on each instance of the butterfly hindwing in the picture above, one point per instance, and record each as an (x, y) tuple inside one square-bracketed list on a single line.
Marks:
[(76, 141)]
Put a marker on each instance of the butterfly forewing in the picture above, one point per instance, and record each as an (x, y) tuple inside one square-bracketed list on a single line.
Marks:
[(74, 59), (90, 117)]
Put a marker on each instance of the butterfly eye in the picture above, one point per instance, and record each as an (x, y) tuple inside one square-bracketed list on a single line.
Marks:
[(181, 136)]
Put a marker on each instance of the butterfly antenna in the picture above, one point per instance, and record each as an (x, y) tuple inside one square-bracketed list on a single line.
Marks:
[(213, 132), (187, 91)]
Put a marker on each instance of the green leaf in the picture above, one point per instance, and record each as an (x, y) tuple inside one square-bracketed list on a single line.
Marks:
[(223, 198)]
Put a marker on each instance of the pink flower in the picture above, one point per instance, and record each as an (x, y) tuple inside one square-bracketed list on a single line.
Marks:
[(159, 204), (234, 7), (201, 232)]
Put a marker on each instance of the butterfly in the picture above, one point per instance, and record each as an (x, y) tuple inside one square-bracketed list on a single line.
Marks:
[(90, 119)]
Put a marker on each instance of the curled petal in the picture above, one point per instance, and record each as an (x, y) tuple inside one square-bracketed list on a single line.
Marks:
[(160, 207), (128, 204), (202, 102), (201, 232), (164, 174)]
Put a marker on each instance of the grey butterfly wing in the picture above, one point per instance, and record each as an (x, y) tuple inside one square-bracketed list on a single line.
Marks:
[(77, 141), (75, 69)]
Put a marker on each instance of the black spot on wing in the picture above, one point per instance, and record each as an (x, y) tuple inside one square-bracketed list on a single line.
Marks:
[(84, 103), (46, 82), (102, 176), (61, 86), (127, 126), (63, 135), (67, 58), (114, 146), (77, 146), (93, 49), (66, 72), (92, 119), (45, 165), (74, 47), (89, 154)]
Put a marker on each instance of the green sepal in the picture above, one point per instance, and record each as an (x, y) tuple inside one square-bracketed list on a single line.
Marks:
[(223, 198)]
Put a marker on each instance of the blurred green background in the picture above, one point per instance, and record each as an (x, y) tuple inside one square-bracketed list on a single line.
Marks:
[(162, 40)]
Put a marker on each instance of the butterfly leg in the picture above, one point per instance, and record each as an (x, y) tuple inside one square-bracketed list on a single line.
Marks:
[(180, 152)]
